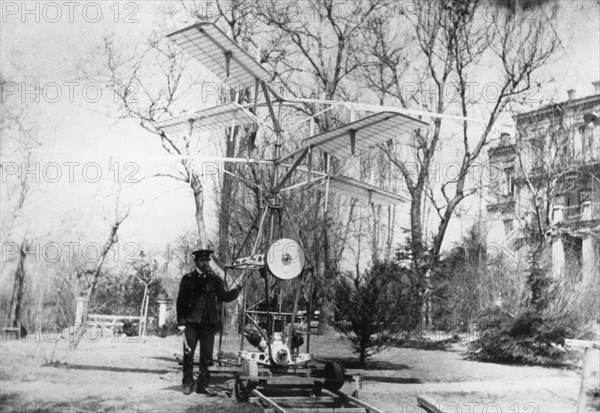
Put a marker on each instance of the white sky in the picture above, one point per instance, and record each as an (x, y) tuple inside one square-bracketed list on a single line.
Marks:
[(84, 132)]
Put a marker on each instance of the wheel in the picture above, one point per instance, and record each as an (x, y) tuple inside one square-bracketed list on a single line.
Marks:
[(334, 376), (244, 386), (243, 389)]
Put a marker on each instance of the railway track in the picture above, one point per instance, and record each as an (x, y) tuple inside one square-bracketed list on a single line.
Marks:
[(300, 390), (295, 390), (329, 401)]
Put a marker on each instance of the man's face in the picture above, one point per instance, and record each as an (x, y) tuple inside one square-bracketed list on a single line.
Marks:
[(201, 263)]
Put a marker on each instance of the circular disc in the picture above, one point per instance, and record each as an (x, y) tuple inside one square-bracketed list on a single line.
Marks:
[(285, 259)]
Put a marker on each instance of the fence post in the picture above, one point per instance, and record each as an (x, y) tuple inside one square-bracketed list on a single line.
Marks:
[(79, 306), (162, 312)]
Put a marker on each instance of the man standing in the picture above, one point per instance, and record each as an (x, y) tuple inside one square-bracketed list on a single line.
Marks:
[(201, 293)]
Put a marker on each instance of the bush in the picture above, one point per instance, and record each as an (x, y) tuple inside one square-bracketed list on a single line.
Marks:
[(169, 329), (373, 309), (527, 338), (130, 328), (424, 343), (554, 310)]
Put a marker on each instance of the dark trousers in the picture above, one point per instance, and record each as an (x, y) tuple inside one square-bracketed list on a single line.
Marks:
[(205, 334)]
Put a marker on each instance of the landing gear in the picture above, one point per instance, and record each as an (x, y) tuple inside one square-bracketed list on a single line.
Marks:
[(247, 382)]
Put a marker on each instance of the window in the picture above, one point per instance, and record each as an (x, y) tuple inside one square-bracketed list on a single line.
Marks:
[(509, 174), (591, 141), (573, 250), (508, 226), (572, 204), (585, 195)]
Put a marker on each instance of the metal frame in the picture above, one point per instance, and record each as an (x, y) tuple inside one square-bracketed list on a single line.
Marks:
[(222, 56), (207, 43)]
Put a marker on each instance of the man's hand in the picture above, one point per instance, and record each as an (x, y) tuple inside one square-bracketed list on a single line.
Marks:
[(181, 329)]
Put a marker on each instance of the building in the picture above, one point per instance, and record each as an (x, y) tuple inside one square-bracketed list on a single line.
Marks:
[(546, 181)]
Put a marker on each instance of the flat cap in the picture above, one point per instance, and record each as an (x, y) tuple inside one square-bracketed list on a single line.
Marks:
[(202, 254)]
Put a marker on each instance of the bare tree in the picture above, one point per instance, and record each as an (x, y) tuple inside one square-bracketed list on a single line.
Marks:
[(452, 39), (320, 42), (550, 163), (96, 272), (147, 100), (237, 18), (145, 273), (19, 140), (167, 93)]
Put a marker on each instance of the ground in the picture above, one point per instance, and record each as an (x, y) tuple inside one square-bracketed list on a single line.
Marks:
[(122, 375)]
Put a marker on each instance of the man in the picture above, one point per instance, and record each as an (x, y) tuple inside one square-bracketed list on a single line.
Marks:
[(199, 318)]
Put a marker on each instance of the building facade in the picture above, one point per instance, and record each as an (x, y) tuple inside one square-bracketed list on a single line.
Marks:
[(546, 183)]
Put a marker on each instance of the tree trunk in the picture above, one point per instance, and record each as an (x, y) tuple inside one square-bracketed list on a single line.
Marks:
[(376, 233), (145, 316), (390, 231), (420, 266), (226, 200), (326, 314), (16, 301), (142, 307), (196, 185), (426, 305), (112, 239), (362, 357)]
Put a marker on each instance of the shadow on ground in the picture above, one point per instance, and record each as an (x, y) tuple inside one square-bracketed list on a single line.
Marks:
[(169, 359), (108, 368), (231, 407), (395, 380), (352, 363)]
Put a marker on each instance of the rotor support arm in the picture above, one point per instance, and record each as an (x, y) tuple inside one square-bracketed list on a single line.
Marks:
[(292, 169)]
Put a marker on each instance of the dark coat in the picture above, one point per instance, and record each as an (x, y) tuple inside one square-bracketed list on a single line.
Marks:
[(210, 290)]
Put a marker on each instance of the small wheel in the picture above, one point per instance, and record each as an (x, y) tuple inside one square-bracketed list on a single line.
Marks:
[(243, 387), (334, 376)]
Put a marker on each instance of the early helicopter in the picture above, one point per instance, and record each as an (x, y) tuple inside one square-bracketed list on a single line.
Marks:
[(277, 339)]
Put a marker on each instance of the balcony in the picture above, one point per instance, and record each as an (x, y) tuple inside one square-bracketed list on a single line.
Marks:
[(503, 204), (586, 211)]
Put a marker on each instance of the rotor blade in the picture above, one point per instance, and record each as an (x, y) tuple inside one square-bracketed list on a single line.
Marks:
[(381, 108), (206, 120), (361, 191), (364, 133), (221, 55), (152, 157)]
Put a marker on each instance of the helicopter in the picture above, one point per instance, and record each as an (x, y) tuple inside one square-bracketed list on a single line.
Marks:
[(277, 339)]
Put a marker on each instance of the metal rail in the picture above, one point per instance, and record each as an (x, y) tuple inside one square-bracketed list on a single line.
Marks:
[(428, 406), (268, 400), (356, 401), (311, 404)]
